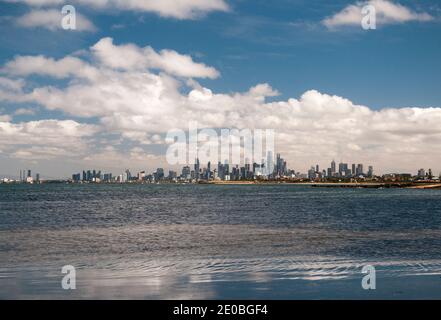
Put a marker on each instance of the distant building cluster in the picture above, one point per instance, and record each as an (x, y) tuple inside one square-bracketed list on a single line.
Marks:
[(25, 177), (220, 172), (270, 169), (344, 171)]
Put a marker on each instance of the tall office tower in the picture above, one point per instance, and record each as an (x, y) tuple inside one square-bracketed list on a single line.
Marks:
[(84, 176), (317, 168), (430, 175), (421, 173), (196, 168), (186, 172), (360, 170), (329, 173), (220, 170), (242, 173), (342, 169), (269, 163), (207, 174), (29, 174), (160, 173), (333, 168), (108, 177), (172, 174), (129, 175), (226, 168), (354, 169), (21, 177), (37, 178), (311, 174), (371, 172), (278, 165)]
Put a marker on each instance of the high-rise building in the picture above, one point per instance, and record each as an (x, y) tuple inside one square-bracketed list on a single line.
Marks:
[(333, 168), (359, 169), (76, 177), (269, 163), (128, 175), (342, 169), (159, 174), (186, 172), (311, 174), (197, 168), (172, 175), (280, 166), (370, 171)]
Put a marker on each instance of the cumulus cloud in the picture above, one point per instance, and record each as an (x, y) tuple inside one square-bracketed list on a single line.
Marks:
[(5, 118), (388, 12), (132, 57), (30, 140), (40, 65), (179, 9), (111, 57), (24, 112), (51, 19), (136, 106)]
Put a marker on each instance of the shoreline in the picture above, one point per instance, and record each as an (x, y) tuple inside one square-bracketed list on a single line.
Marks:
[(352, 185), (367, 185)]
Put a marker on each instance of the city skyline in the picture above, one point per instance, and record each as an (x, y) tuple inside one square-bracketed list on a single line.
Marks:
[(278, 168)]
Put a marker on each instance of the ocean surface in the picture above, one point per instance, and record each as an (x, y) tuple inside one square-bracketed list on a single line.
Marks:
[(218, 242)]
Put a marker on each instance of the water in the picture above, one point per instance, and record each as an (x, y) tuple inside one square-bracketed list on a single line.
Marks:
[(218, 241)]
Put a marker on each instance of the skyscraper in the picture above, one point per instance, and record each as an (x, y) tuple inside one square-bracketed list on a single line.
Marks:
[(370, 172), (186, 172), (128, 175), (360, 170), (333, 168), (269, 163), (197, 168)]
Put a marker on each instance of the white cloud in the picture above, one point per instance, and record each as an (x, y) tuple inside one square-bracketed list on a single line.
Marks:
[(34, 139), (24, 112), (51, 19), (387, 11), (132, 57), (136, 106), (9, 84), (110, 57), (179, 9), (40, 65), (5, 118)]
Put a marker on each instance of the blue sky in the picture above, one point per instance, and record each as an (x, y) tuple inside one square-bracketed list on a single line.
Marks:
[(283, 43), (280, 42)]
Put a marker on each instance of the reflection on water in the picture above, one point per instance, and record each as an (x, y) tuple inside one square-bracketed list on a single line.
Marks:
[(208, 242)]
